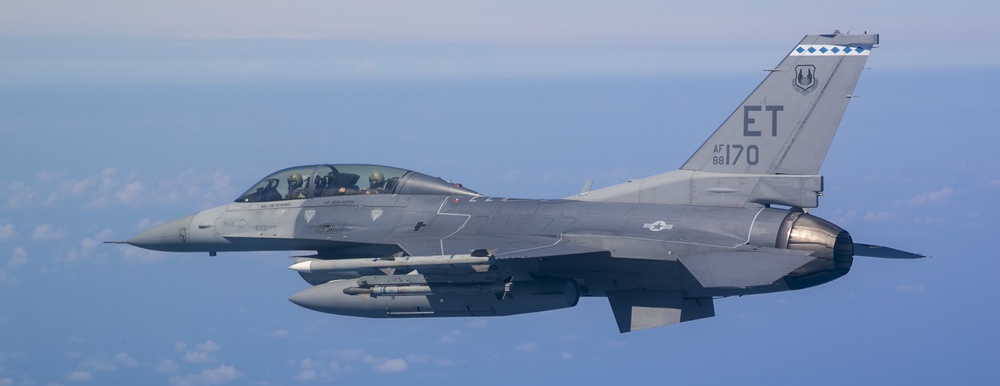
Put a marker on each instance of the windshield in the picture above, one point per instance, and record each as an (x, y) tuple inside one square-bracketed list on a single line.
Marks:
[(324, 180)]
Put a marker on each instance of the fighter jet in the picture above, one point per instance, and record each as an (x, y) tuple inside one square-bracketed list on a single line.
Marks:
[(731, 221)]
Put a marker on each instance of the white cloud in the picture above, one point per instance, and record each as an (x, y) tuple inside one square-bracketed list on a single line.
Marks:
[(279, 333), (198, 357), (394, 365), (180, 346), (934, 197), (45, 232), (565, 356), (928, 220), (125, 360), (88, 245), (478, 323), (450, 336), (7, 279), (18, 257), (208, 345), (878, 216), (215, 376), (209, 190), (167, 366), (527, 347), (143, 256), (7, 232), (98, 365), (309, 369), (146, 223), (841, 216), (305, 375), (47, 176), (6, 381), (130, 192), (76, 187), (78, 376)]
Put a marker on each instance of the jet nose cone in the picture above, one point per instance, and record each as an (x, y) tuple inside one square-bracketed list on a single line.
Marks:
[(169, 237)]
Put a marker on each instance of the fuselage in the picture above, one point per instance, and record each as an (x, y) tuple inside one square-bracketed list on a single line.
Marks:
[(643, 240)]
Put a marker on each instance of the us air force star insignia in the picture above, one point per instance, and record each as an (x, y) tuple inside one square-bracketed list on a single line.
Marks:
[(658, 226), (309, 215), (376, 213)]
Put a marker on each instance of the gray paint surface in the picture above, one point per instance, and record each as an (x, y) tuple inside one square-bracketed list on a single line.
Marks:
[(661, 248)]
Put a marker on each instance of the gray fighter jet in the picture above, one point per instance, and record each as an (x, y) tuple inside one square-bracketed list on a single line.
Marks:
[(731, 221)]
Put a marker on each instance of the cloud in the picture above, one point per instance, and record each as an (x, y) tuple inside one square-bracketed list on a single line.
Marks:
[(208, 189), (18, 257), (143, 256), (96, 364), (478, 323), (841, 216), (208, 345), (130, 192), (310, 369), (393, 365), (6, 381), (198, 357), (7, 232), (7, 279), (214, 376), (125, 360), (934, 197), (565, 356), (527, 347), (450, 336), (102, 362), (180, 346), (878, 216), (279, 333), (305, 375), (928, 220), (78, 376), (167, 366), (46, 233)]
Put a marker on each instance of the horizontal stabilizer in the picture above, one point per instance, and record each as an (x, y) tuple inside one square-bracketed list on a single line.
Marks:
[(639, 310), (883, 252), (744, 268)]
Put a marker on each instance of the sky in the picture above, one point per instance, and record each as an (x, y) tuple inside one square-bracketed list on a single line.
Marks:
[(116, 118)]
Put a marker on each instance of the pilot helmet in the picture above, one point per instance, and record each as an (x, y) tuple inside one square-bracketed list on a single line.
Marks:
[(376, 178), (294, 180)]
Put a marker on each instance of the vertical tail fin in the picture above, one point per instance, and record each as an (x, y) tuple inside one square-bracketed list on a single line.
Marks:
[(786, 125), (769, 151)]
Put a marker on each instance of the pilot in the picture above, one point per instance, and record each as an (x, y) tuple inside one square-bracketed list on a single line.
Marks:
[(295, 189), (376, 183)]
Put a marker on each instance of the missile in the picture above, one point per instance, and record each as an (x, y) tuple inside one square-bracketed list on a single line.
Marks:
[(476, 262), (418, 290)]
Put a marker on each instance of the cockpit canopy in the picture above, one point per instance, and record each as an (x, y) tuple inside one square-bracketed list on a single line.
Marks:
[(312, 181)]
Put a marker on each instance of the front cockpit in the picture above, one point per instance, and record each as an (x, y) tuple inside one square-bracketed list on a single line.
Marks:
[(327, 180)]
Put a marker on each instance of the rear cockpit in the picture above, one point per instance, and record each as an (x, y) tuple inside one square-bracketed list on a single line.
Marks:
[(313, 181)]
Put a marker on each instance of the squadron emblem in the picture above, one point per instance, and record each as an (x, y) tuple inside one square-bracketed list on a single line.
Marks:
[(805, 78)]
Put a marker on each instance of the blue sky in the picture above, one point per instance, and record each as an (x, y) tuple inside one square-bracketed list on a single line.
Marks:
[(117, 119)]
